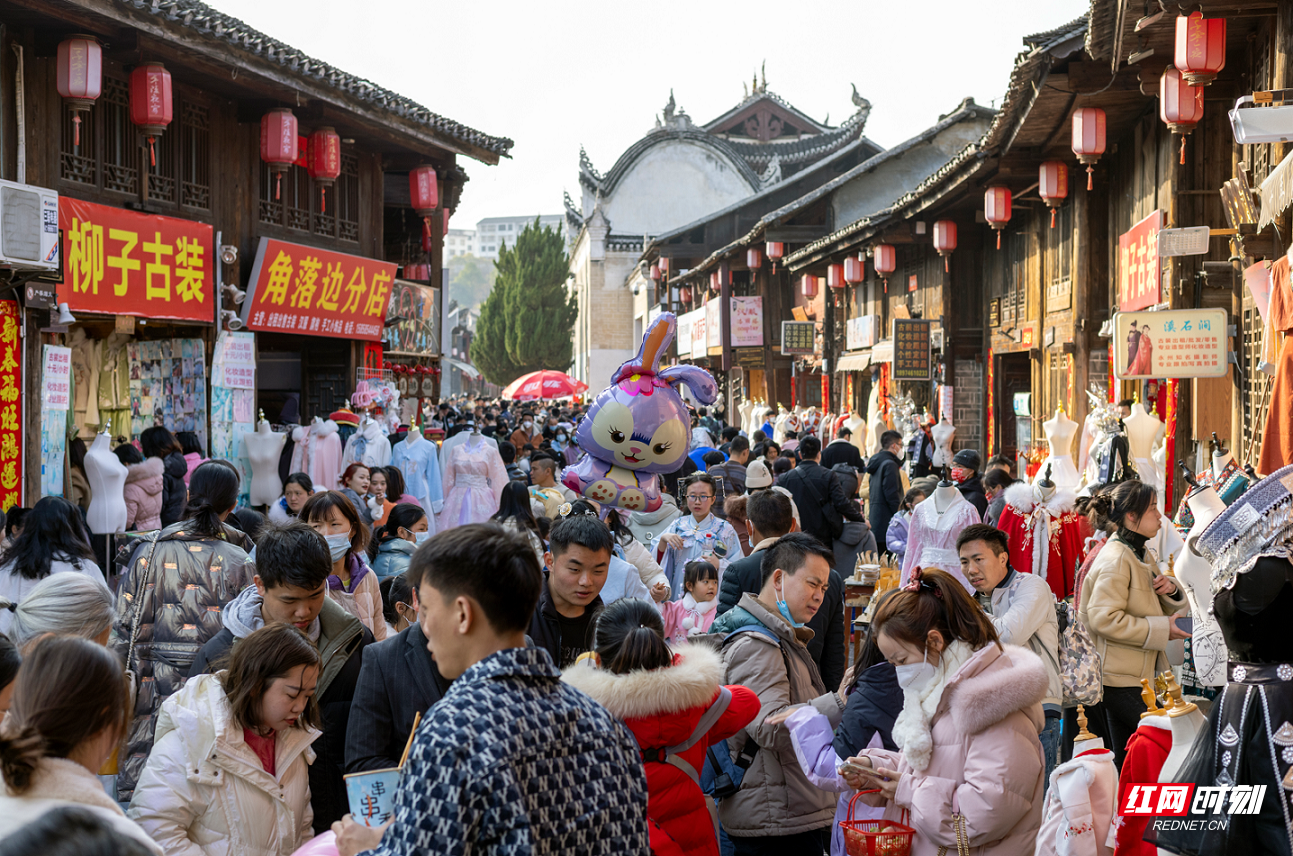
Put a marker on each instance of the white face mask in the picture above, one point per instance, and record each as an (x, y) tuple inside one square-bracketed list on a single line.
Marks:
[(421, 537), (915, 676), (338, 545)]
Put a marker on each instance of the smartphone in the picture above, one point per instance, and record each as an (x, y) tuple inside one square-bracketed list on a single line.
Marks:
[(855, 769), (1186, 623)]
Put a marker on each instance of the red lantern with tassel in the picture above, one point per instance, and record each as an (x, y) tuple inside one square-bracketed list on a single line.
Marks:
[(835, 276), (1053, 185), (80, 77), (754, 258), (424, 195), (151, 103), (278, 144), (808, 285), (324, 159), (945, 240), (774, 250), (854, 271), (684, 294), (996, 209), (1088, 139), (886, 262), (1200, 48), (1180, 105), (655, 272)]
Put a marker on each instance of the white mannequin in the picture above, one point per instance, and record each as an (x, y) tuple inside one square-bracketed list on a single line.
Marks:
[(1221, 458), (107, 476), (1144, 432), (943, 433), (1060, 431), (263, 450), (1195, 576), (857, 425), (944, 495), (1186, 721)]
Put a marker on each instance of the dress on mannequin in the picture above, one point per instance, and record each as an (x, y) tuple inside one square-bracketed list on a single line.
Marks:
[(1250, 725), (857, 425), (473, 482), (263, 449), (1144, 431), (1277, 360), (447, 447), (1080, 810), (1147, 750), (943, 432), (1030, 522), (325, 455), (1195, 575), (1060, 431), (369, 446), (932, 531), (107, 476), (419, 460), (303, 447)]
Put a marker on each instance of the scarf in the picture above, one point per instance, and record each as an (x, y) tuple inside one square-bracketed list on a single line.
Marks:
[(911, 731)]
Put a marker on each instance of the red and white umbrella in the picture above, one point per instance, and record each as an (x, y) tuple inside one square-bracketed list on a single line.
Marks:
[(543, 384)]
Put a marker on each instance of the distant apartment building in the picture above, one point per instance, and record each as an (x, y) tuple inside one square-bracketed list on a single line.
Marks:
[(459, 242), (493, 232)]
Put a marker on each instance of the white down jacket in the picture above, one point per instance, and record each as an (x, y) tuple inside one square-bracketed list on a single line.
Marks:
[(204, 791)]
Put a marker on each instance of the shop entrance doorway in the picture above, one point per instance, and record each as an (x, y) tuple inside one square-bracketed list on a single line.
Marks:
[(1014, 373)]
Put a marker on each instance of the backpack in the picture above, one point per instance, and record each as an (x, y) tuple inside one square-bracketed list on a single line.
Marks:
[(1079, 661)]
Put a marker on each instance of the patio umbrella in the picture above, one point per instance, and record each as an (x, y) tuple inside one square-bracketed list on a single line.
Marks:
[(543, 384)]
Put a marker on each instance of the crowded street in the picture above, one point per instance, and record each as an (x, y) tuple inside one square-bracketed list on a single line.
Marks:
[(631, 481)]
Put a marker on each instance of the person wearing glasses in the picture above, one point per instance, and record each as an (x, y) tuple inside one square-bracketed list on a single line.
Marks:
[(697, 536)]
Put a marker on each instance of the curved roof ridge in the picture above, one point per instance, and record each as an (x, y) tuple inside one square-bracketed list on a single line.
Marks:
[(611, 179)]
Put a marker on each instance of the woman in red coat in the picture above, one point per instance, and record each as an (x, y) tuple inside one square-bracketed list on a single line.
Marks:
[(663, 698)]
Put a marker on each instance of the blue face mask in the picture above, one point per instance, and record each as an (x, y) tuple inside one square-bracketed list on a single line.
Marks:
[(784, 609)]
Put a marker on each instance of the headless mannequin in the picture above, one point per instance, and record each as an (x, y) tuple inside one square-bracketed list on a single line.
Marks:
[(1085, 740), (1060, 431), (1221, 458), (1186, 721), (943, 433), (945, 494), (107, 476), (1195, 575), (1044, 488), (1144, 431), (263, 450), (857, 425)]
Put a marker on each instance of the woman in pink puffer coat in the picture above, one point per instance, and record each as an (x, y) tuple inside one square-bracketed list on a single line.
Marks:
[(971, 763), (143, 490)]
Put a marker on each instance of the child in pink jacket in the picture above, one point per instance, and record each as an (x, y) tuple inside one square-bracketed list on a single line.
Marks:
[(694, 612)]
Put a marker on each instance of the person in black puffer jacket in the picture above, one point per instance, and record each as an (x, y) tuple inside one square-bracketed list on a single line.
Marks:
[(157, 442), (965, 472)]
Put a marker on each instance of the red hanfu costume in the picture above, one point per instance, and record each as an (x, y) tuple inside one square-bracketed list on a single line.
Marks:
[(1054, 524)]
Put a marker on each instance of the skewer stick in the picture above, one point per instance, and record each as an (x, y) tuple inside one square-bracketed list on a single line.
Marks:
[(417, 720)]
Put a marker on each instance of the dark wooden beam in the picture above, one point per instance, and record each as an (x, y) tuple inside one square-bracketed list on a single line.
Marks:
[(796, 234)]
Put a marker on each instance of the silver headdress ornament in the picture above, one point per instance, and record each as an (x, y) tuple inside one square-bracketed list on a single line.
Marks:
[(1258, 524)]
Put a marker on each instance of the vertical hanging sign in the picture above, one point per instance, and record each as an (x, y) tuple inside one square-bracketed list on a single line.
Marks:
[(10, 406), (55, 399)]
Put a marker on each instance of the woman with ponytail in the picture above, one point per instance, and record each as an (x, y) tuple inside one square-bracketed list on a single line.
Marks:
[(979, 702), (662, 697), (171, 599), (1129, 607), (68, 714), (394, 541)]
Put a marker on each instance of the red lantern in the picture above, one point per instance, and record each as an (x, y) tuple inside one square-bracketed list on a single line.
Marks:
[(684, 294), (835, 276), (945, 240), (774, 250), (324, 159), (854, 271), (1180, 105), (278, 143), (80, 77), (886, 262), (386, 364), (655, 272), (996, 209), (753, 258), (664, 268), (1200, 48), (1053, 185), (1088, 139), (424, 195), (715, 283), (151, 102), (808, 285)]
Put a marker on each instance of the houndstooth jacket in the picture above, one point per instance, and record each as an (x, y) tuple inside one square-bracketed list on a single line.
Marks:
[(514, 762)]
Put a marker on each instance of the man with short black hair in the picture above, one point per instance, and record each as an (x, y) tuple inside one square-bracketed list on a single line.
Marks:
[(816, 489), (1022, 609), (732, 470), (842, 451), (578, 561), (291, 584), (777, 809), (885, 470), (511, 760), (507, 452)]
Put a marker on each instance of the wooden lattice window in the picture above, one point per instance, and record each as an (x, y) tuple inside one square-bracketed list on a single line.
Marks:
[(121, 149), (299, 206), (79, 162), (195, 156), (345, 196)]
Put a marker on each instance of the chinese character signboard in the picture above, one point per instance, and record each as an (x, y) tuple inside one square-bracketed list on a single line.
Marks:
[(10, 408), (300, 289), (747, 322), (685, 321), (799, 338), (55, 399), (713, 324), (861, 332), (699, 346), (1138, 267), (911, 353), (1174, 344), (56, 378), (415, 309), (235, 367), (121, 262)]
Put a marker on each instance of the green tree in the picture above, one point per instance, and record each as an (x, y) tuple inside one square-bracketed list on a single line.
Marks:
[(526, 321), (470, 280)]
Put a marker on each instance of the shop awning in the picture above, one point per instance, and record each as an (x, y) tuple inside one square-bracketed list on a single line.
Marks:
[(469, 370), (882, 352), (854, 362)]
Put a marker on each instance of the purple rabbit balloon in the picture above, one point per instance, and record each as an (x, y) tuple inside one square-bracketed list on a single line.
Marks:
[(638, 426)]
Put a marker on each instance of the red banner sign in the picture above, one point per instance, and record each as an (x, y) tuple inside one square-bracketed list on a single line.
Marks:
[(300, 289), (120, 262), (1138, 268), (10, 408)]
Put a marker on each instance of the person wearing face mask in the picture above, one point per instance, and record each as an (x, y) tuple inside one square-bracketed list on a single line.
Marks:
[(406, 527), (352, 583), (980, 703), (291, 584), (563, 446), (777, 808)]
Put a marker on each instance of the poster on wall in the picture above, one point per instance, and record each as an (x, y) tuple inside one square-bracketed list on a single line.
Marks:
[(233, 402), (713, 324), (168, 385), (1177, 343), (413, 320), (799, 338), (1139, 275), (747, 322), (55, 399)]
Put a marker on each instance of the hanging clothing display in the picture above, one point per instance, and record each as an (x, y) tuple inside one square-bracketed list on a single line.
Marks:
[(1029, 524), (931, 537), (1147, 749), (369, 446), (419, 460), (317, 453), (453, 442), (1080, 814), (114, 384), (1277, 360), (473, 483), (85, 374)]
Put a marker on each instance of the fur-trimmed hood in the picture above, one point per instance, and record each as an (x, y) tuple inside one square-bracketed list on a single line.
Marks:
[(1020, 497), (994, 684), (692, 681)]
